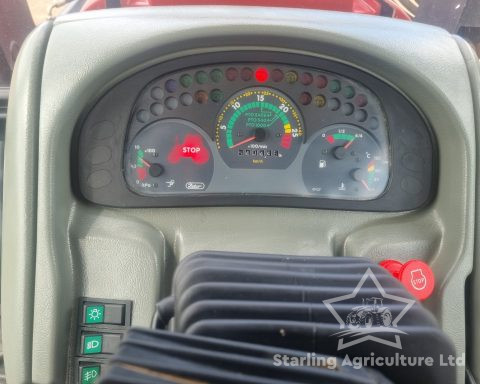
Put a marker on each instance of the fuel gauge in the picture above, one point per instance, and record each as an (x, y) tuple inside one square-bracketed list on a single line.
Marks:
[(346, 162)]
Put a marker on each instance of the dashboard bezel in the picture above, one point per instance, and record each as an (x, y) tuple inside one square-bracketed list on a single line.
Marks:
[(116, 105)]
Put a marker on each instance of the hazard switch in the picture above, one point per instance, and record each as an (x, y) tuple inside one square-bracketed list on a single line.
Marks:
[(415, 275)]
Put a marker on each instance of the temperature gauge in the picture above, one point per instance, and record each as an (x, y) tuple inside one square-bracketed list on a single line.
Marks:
[(169, 156), (346, 162)]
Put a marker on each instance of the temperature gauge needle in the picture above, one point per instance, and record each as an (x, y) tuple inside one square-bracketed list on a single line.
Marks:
[(364, 183), (358, 175), (243, 142)]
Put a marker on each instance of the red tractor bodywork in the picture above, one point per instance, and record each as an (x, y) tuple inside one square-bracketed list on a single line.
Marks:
[(369, 7)]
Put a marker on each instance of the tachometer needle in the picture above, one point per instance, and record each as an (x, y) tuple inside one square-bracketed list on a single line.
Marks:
[(243, 142)]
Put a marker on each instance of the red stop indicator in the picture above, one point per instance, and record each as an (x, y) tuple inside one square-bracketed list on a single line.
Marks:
[(192, 147)]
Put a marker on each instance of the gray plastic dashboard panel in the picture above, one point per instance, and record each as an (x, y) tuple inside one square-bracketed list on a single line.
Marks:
[(109, 128)]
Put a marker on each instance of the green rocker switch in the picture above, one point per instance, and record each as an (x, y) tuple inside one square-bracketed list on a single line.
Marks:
[(90, 374), (100, 343), (94, 314), (92, 344)]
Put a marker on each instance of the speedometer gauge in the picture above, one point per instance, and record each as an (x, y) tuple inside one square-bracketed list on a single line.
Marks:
[(259, 128)]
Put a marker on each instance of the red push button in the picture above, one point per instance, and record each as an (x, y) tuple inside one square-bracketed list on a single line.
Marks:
[(418, 278), (392, 266), (415, 275)]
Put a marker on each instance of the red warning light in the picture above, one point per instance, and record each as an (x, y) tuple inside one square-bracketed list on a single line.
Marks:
[(141, 173), (261, 74), (191, 147)]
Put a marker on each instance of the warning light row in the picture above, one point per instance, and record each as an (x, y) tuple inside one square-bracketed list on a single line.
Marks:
[(261, 75), (157, 108)]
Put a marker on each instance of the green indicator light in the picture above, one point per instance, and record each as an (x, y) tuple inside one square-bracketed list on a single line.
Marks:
[(140, 155), (92, 344), (216, 95), (216, 75), (201, 77), (335, 86), (349, 91), (90, 374), (94, 314), (186, 81), (343, 136)]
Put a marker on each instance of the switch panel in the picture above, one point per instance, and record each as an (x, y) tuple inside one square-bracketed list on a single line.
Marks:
[(101, 326)]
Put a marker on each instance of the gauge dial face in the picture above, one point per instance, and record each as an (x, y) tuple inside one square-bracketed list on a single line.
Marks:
[(345, 162), (259, 128), (169, 156)]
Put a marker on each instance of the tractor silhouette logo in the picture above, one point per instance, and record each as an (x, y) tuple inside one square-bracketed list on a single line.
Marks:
[(419, 281), (372, 320), (371, 313)]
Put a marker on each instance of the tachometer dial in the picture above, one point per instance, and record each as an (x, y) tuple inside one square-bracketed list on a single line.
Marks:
[(346, 162), (259, 128)]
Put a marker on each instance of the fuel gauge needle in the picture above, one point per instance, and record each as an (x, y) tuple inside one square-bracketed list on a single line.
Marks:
[(346, 146), (243, 142)]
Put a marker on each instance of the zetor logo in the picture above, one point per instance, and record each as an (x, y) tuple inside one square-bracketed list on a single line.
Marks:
[(419, 281)]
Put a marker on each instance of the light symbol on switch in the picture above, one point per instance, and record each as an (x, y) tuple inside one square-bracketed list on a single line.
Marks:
[(93, 344), (95, 314), (90, 375)]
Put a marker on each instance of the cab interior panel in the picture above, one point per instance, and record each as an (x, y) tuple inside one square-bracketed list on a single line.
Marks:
[(89, 213)]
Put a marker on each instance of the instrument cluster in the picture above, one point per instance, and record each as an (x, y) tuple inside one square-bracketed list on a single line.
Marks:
[(261, 133), (270, 129)]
